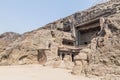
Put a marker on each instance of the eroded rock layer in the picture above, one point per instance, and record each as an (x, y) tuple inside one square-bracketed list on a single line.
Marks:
[(87, 42)]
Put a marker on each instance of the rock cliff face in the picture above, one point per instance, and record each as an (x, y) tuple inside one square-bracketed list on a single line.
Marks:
[(101, 57), (6, 39), (24, 50), (105, 60)]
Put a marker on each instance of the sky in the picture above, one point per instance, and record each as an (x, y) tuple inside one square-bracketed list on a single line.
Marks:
[(25, 15)]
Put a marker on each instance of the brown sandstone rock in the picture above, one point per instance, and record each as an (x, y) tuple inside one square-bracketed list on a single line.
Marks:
[(77, 70), (102, 59)]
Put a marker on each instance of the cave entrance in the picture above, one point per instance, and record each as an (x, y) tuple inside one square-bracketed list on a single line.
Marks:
[(68, 52), (68, 42), (62, 53), (86, 32), (42, 58)]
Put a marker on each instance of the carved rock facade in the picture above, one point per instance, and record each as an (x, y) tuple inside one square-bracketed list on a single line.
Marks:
[(86, 42)]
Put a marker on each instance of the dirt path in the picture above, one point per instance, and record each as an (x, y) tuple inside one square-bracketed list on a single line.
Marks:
[(36, 72)]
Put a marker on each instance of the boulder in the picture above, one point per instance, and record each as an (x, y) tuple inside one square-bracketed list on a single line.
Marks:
[(81, 56), (77, 70)]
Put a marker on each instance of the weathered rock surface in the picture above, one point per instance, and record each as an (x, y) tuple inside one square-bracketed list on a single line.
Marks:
[(6, 39), (25, 49), (100, 58)]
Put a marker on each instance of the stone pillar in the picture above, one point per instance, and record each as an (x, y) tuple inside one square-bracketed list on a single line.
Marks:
[(77, 38), (60, 55), (74, 34)]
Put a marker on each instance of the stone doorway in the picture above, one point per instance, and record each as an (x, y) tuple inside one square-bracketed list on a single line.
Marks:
[(86, 31), (71, 53), (85, 36), (42, 58)]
